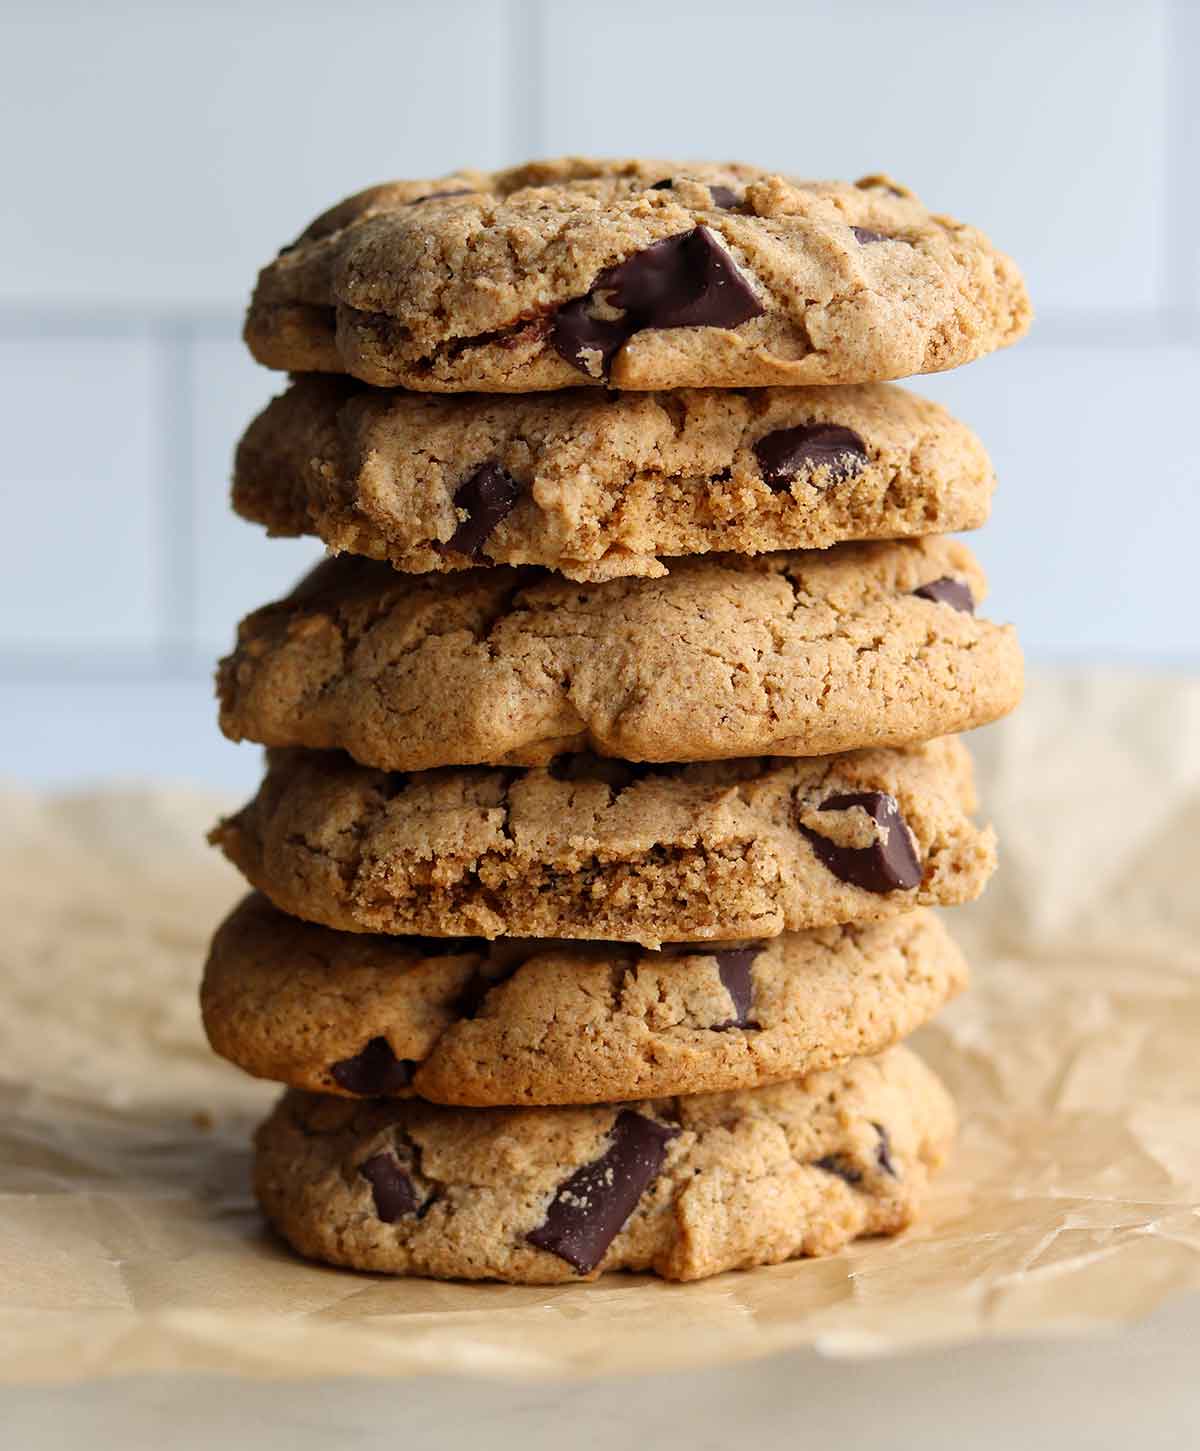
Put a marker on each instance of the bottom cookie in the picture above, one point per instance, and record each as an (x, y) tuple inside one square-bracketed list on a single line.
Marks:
[(686, 1187)]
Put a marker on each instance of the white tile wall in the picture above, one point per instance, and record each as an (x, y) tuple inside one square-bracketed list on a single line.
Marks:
[(236, 567), (1017, 116), (162, 152), (154, 155), (81, 490)]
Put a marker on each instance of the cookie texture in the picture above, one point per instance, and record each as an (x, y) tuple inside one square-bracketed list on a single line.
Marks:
[(633, 275), (685, 1187), (790, 654), (464, 1021), (599, 849), (606, 484)]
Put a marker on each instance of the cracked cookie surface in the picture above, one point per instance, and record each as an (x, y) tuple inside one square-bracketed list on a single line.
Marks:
[(684, 1187), (607, 484), (634, 275), (595, 848), (462, 1021), (791, 654)]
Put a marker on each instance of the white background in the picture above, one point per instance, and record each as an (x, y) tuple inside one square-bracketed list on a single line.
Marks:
[(155, 154)]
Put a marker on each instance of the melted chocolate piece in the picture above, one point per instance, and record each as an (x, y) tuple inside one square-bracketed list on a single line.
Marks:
[(947, 591), (375, 1072), (790, 451), (832, 1164), (889, 864), (723, 196), (589, 1209), (883, 1154), (489, 496), (685, 281), (734, 969), (394, 1192), (864, 236)]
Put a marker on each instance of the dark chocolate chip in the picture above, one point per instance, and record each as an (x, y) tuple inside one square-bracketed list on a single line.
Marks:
[(864, 236), (375, 1072), (947, 591), (589, 1209), (737, 980), (434, 196), (883, 1153), (685, 281), (787, 452), (488, 496), (890, 864), (723, 196), (394, 1192), (832, 1164)]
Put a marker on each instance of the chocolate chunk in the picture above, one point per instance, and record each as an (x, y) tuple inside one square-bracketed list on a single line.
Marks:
[(589, 1209), (394, 1192), (684, 281), (947, 591), (833, 1164), (890, 864), (734, 969), (488, 496), (723, 196), (787, 452), (883, 1154), (434, 196), (375, 1072), (864, 236)]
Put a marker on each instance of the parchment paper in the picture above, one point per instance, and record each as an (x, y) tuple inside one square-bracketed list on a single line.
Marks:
[(128, 1239)]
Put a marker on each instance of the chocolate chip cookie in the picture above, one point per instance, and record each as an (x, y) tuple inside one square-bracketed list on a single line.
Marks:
[(596, 848), (685, 1187), (790, 654), (633, 275), (464, 1021), (599, 485)]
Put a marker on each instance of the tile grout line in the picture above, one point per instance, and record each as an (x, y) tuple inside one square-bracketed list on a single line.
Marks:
[(174, 424)]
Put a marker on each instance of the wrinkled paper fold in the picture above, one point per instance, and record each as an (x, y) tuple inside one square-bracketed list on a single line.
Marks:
[(129, 1240)]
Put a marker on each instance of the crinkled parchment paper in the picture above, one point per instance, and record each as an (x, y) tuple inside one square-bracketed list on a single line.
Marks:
[(128, 1240)]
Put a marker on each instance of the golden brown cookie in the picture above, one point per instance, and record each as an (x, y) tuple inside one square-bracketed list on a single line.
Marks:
[(599, 849), (789, 654), (685, 1187), (599, 485), (633, 275), (464, 1021)]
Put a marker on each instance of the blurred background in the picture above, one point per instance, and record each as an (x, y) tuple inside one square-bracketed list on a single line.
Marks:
[(156, 154)]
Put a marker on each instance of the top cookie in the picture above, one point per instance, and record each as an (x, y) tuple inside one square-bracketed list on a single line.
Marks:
[(633, 275)]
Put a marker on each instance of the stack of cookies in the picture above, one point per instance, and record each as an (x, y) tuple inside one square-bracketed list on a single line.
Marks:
[(614, 761)]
